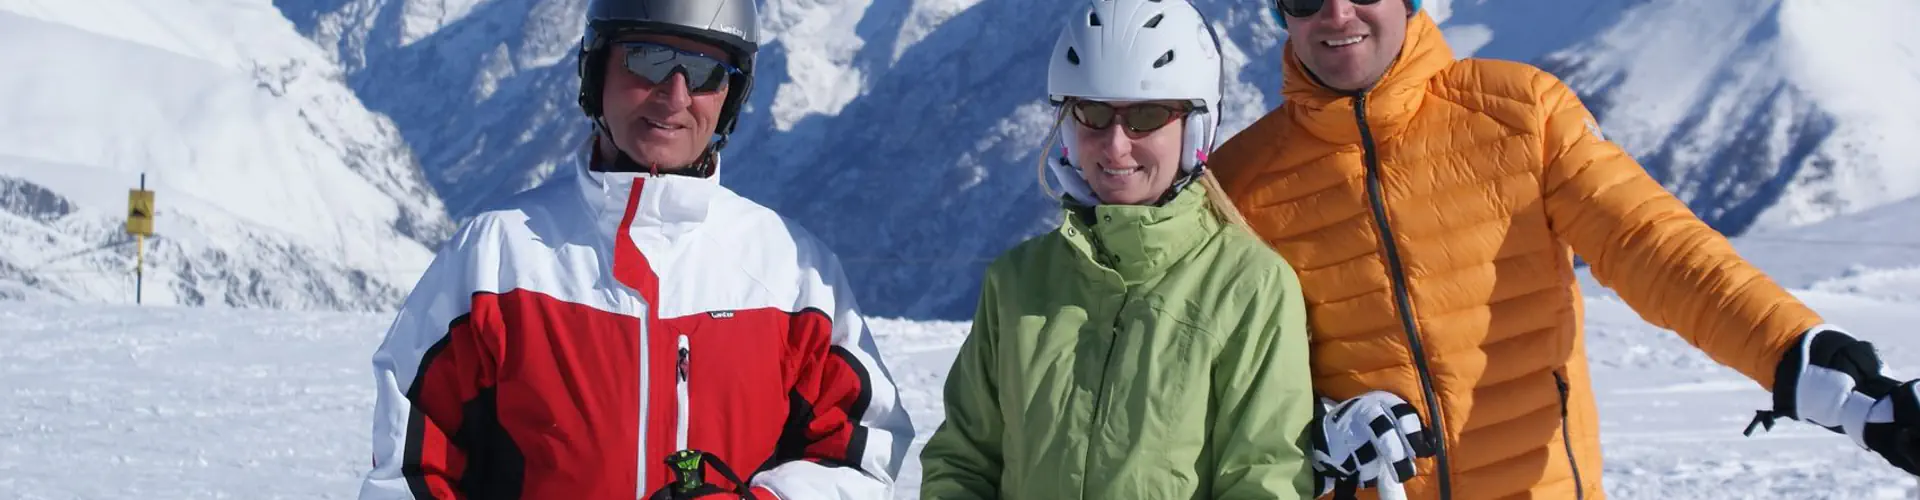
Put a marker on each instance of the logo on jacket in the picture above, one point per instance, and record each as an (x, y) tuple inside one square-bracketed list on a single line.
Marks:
[(721, 314)]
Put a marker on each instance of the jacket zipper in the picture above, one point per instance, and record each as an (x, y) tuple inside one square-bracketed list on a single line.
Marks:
[(1100, 395), (1566, 436), (640, 462), (1403, 295), (680, 391)]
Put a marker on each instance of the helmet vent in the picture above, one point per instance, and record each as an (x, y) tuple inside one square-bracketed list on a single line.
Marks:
[(1093, 19), (1155, 22), (1163, 60), (1073, 57)]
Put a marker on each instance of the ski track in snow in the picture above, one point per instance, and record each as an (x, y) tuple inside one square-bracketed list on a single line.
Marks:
[(117, 401)]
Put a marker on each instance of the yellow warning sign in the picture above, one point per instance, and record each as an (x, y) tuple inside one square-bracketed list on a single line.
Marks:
[(140, 212)]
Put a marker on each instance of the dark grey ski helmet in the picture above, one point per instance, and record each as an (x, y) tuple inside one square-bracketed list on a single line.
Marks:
[(733, 25)]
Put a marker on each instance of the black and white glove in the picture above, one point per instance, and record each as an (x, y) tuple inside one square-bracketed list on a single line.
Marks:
[(1358, 439), (1834, 381)]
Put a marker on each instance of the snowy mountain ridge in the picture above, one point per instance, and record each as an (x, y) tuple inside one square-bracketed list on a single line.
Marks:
[(1761, 113), (905, 131), (274, 186)]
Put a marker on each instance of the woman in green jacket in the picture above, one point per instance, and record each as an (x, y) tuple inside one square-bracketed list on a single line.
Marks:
[(1151, 347)]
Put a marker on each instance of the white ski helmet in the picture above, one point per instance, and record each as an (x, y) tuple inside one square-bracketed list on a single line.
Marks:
[(1138, 50)]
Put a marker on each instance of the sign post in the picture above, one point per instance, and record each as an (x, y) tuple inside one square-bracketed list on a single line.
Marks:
[(140, 225)]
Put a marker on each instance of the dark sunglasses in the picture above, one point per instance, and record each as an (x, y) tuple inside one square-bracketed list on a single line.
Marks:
[(1307, 8), (656, 63), (1137, 118)]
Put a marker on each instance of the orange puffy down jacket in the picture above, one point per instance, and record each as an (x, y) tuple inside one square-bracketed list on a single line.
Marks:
[(1433, 221)]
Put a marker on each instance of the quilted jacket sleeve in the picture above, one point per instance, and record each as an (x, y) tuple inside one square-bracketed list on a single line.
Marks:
[(1643, 242)]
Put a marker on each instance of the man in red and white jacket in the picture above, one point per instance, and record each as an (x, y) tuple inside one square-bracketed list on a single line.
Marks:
[(631, 328)]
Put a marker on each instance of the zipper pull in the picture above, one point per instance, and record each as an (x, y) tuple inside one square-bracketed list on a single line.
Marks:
[(685, 354)]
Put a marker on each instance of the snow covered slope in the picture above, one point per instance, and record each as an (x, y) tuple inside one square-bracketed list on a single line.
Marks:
[(1761, 113), (1878, 249), (484, 92), (274, 186), (905, 132), (121, 402)]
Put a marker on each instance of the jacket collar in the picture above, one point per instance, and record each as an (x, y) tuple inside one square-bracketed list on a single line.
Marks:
[(648, 205), (1329, 114), (1140, 242)]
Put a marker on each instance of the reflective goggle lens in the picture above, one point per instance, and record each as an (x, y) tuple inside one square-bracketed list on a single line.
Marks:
[(656, 63)]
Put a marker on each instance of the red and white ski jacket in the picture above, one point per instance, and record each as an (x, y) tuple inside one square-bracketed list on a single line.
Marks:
[(565, 344)]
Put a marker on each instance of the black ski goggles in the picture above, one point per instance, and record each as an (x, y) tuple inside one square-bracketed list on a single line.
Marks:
[(657, 63), (1137, 118), (1307, 8)]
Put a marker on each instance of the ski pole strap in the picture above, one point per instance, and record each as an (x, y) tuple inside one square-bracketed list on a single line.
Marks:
[(1762, 418)]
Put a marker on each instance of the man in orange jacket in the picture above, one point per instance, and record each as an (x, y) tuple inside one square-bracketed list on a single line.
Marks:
[(1433, 208)]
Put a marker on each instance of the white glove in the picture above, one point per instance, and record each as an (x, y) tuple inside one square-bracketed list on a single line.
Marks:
[(1363, 440)]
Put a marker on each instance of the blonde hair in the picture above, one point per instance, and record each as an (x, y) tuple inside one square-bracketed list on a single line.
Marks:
[(1046, 154), (1222, 207)]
